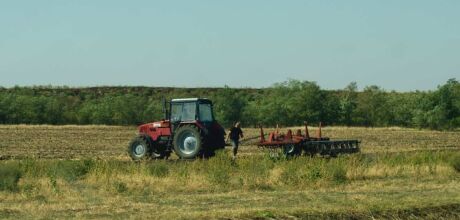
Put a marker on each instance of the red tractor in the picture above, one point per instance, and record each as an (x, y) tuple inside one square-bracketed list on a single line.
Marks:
[(188, 128)]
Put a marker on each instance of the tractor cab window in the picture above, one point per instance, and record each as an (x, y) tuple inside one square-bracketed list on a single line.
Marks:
[(189, 111), (183, 111), (205, 112), (176, 112)]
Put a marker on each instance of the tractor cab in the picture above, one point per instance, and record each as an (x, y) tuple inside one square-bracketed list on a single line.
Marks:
[(191, 110), (196, 113)]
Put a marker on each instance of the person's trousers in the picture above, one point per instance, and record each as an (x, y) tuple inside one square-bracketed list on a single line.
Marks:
[(234, 147)]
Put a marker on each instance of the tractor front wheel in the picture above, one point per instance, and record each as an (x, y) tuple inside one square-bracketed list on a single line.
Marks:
[(139, 149), (188, 142)]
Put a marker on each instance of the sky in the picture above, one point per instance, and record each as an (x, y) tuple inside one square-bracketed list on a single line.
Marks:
[(398, 45)]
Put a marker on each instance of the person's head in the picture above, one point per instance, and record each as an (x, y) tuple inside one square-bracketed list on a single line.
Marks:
[(237, 124)]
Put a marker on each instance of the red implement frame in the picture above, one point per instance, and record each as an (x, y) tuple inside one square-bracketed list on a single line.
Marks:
[(295, 144), (276, 139)]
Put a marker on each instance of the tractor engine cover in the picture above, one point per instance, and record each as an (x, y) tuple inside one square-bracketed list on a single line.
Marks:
[(156, 129)]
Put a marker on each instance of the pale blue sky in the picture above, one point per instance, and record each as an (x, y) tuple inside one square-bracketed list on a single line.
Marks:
[(397, 44)]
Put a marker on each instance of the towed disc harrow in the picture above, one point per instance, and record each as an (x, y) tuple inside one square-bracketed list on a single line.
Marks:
[(302, 144)]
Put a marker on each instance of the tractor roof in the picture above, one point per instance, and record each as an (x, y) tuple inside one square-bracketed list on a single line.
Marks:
[(190, 100)]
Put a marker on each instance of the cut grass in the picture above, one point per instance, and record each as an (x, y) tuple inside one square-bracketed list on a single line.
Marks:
[(387, 197), (363, 186)]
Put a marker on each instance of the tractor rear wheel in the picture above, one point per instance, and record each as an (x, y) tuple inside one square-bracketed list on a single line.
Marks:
[(139, 149), (188, 142)]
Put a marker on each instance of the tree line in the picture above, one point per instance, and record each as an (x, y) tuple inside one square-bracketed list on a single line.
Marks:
[(287, 103)]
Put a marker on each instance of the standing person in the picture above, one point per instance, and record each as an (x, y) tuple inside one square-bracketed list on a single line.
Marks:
[(234, 135)]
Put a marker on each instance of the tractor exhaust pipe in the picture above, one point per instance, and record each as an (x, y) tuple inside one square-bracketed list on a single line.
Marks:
[(165, 109)]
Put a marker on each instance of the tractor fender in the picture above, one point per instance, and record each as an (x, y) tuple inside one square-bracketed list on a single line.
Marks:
[(147, 138), (198, 124)]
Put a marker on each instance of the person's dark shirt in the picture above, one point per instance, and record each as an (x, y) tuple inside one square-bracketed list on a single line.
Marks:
[(235, 133)]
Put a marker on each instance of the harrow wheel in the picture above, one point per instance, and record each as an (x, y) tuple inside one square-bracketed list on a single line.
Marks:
[(291, 150)]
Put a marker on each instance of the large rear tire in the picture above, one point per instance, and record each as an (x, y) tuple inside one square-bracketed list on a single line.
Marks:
[(188, 142), (139, 149)]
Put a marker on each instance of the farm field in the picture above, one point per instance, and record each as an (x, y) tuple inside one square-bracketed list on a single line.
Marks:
[(110, 142), (84, 172)]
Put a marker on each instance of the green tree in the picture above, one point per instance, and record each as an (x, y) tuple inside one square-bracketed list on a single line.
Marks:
[(228, 106), (304, 102), (153, 110), (286, 103), (372, 107), (290, 103), (331, 108), (441, 109), (349, 103), (4, 103)]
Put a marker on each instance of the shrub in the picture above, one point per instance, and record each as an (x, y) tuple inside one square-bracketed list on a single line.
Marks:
[(336, 170), (314, 174), (183, 171), (290, 175), (339, 174), (9, 177), (120, 187), (219, 168), (158, 169), (456, 163), (31, 167), (255, 172), (53, 180), (265, 215), (218, 176), (72, 170), (306, 171)]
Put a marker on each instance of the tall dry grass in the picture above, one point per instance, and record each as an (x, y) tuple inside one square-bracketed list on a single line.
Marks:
[(249, 186), (259, 172)]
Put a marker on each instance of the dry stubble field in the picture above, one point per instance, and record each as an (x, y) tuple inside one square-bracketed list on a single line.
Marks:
[(84, 172), (110, 142)]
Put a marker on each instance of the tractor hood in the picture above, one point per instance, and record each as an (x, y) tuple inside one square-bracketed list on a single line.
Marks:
[(145, 128)]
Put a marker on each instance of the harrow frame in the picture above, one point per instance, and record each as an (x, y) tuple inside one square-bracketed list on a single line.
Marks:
[(298, 144)]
